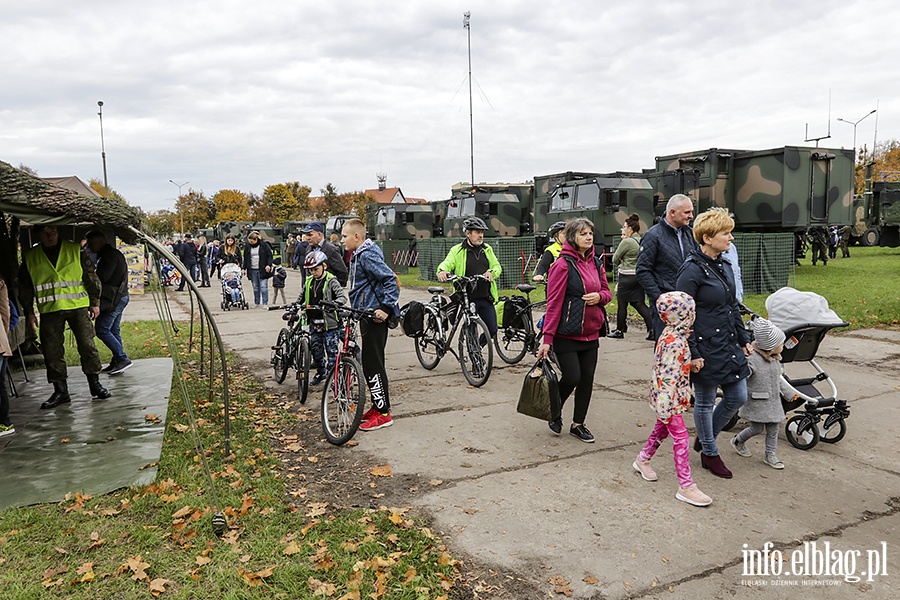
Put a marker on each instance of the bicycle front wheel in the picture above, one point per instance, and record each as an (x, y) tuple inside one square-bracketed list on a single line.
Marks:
[(427, 344), (512, 342), (343, 401), (279, 356), (476, 354), (302, 363)]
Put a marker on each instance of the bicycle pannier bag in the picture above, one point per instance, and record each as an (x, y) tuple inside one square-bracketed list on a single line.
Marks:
[(412, 319)]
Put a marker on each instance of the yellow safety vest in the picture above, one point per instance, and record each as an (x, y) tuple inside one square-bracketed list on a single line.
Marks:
[(58, 287), (554, 249)]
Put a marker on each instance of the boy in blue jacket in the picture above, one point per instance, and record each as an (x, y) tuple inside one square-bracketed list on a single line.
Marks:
[(373, 285)]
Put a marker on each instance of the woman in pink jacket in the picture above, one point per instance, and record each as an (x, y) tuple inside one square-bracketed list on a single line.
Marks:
[(577, 291)]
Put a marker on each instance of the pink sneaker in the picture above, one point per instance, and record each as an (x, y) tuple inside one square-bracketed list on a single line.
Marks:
[(377, 421), (692, 495), (644, 469)]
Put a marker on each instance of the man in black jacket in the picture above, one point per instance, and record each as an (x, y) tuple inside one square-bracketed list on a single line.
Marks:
[(112, 270), (663, 250), (187, 254), (336, 265)]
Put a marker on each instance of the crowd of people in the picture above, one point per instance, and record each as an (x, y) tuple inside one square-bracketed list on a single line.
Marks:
[(689, 273)]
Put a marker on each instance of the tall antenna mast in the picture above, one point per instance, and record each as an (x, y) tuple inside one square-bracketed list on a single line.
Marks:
[(827, 135), (466, 16), (103, 152)]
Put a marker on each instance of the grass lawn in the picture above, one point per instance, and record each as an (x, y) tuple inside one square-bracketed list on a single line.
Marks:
[(863, 289), (158, 540)]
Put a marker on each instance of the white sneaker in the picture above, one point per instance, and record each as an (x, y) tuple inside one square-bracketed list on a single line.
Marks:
[(644, 469), (693, 496)]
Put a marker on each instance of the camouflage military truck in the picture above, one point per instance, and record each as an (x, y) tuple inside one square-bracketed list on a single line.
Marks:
[(605, 199), (335, 224), (507, 208), (784, 189), (294, 227), (400, 221), (877, 216)]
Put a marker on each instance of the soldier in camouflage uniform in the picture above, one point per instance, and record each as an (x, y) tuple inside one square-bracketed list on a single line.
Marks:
[(845, 232), (60, 277), (818, 237)]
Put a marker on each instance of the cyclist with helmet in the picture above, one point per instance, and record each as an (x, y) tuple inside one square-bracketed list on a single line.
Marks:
[(325, 326), (474, 257), (551, 252)]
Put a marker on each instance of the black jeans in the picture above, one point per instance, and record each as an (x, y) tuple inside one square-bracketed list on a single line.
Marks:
[(577, 375), (374, 339)]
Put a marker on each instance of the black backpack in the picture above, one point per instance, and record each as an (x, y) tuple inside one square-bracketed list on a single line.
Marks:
[(412, 319)]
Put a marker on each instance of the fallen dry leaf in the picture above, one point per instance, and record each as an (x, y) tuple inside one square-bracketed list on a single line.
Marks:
[(591, 580), (158, 586), (292, 548), (382, 471)]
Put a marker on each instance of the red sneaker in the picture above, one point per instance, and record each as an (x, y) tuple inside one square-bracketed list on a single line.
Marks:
[(377, 421), (368, 414)]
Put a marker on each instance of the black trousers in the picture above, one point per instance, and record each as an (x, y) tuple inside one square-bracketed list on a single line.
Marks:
[(374, 340), (578, 366), (485, 309), (622, 314)]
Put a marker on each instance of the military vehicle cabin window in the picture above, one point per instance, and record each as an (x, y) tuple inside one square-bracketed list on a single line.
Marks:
[(468, 207), (587, 197), (562, 199), (454, 209)]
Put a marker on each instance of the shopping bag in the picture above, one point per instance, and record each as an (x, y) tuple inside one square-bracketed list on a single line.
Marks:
[(539, 397)]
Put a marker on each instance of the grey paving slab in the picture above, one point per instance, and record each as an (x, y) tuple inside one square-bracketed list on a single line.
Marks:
[(89, 445)]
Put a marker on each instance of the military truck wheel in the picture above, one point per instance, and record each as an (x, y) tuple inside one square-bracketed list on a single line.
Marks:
[(869, 237)]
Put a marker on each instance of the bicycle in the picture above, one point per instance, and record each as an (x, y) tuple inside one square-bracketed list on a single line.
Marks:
[(518, 337), (291, 350), (458, 313), (344, 397)]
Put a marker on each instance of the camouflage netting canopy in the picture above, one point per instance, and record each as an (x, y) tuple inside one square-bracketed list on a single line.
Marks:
[(38, 202)]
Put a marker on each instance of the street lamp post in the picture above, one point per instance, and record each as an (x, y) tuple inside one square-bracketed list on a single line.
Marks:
[(855, 123), (103, 151), (180, 215)]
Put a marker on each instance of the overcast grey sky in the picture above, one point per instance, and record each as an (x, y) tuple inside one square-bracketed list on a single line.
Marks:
[(242, 95)]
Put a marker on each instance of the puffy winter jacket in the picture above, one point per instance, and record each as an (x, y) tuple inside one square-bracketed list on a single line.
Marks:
[(565, 308)]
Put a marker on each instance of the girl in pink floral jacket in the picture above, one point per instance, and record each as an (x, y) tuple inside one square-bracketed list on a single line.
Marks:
[(670, 395)]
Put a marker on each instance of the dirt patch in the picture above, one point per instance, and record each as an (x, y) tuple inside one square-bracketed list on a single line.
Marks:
[(348, 478)]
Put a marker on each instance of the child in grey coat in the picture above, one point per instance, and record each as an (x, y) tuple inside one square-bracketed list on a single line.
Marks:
[(765, 387)]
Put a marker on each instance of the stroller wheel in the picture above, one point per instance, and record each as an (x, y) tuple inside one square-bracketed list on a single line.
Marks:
[(801, 432), (832, 431)]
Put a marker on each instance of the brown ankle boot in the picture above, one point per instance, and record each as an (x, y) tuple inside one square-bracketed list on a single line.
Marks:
[(715, 466)]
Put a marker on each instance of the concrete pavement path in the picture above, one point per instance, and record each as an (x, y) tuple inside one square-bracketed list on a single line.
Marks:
[(574, 518)]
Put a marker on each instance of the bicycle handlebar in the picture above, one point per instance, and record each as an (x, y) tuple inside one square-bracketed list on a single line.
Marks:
[(369, 312), (291, 306)]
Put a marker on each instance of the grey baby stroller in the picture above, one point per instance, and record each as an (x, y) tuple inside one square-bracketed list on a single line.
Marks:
[(232, 290), (818, 412)]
